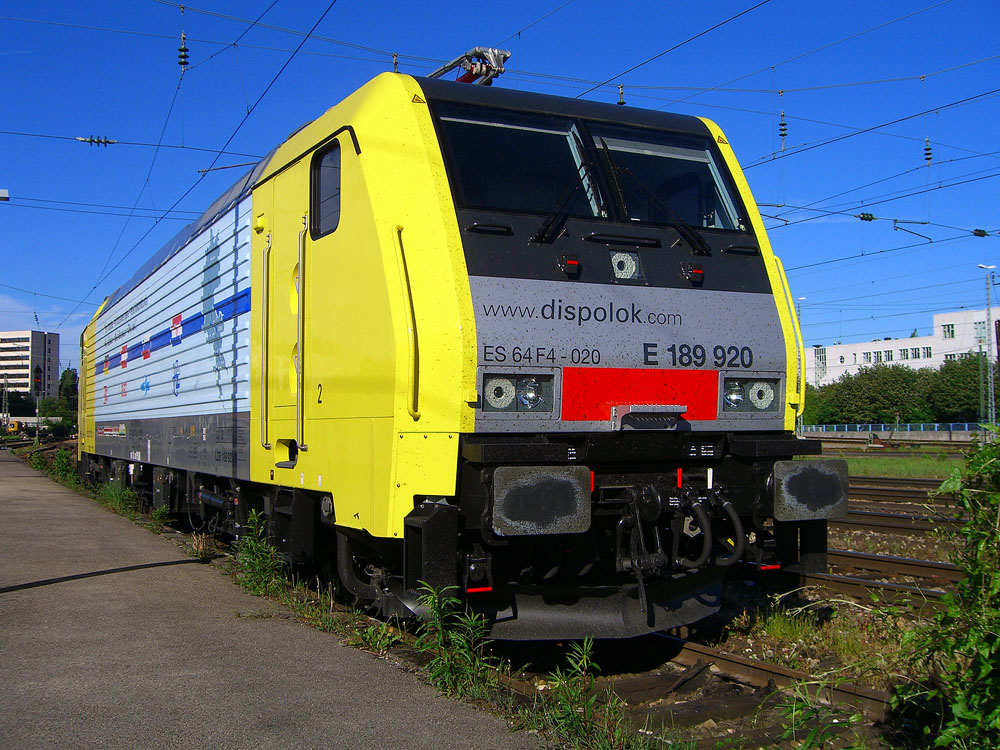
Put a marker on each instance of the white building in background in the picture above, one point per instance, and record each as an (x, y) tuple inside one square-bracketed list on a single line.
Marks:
[(22, 354), (957, 335)]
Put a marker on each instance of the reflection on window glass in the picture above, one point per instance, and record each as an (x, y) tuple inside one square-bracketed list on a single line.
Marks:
[(326, 192), (659, 181), (521, 165)]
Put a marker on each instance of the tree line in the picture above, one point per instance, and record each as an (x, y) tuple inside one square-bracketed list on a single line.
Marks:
[(956, 392), (57, 414)]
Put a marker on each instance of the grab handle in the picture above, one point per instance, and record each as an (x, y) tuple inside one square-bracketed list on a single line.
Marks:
[(263, 346), (413, 373), (800, 350), (300, 336)]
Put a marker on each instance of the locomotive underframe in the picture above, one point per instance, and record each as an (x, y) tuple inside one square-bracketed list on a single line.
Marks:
[(666, 514)]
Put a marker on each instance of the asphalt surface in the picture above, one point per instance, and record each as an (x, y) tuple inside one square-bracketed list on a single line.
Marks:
[(111, 637)]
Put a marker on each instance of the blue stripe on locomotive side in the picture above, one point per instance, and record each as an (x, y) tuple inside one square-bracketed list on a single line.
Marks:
[(229, 308)]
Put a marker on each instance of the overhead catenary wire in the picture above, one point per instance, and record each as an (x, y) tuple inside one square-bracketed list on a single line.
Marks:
[(219, 152), (120, 142), (876, 202), (820, 48), (674, 47), (836, 139), (535, 22)]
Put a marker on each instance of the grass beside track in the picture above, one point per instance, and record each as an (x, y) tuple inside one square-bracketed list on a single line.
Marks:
[(933, 466)]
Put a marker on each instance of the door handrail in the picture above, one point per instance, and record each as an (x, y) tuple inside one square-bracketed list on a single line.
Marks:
[(300, 335), (413, 373), (264, 345), (800, 350)]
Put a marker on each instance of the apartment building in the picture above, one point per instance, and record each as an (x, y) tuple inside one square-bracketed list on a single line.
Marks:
[(957, 335), (27, 354)]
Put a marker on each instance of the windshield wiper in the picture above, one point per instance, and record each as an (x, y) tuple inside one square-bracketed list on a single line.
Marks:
[(613, 170), (698, 244), (547, 232), (584, 176)]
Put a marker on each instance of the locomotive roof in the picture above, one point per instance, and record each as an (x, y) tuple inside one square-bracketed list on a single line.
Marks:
[(527, 101)]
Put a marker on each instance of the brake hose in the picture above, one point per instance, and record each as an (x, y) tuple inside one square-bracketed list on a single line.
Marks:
[(706, 529), (738, 534)]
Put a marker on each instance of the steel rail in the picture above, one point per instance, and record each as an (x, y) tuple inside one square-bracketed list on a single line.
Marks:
[(896, 566), (922, 483), (892, 523), (874, 703), (862, 588)]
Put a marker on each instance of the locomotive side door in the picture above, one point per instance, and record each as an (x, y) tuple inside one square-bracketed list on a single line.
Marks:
[(281, 306)]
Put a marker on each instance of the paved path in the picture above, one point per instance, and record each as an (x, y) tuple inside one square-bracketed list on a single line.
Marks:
[(110, 637)]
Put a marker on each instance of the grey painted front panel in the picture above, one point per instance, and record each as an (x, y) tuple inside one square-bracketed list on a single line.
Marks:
[(631, 327)]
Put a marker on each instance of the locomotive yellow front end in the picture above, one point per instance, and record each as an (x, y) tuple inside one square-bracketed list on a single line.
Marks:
[(638, 370)]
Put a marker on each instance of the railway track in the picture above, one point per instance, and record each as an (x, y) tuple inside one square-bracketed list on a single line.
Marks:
[(893, 523), (897, 490), (938, 572), (646, 694)]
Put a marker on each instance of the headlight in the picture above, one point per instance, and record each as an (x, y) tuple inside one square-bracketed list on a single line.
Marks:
[(518, 393), (529, 393), (744, 395), (498, 393), (734, 394), (761, 394)]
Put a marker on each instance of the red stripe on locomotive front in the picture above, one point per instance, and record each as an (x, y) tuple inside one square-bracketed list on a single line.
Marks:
[(588, 393)]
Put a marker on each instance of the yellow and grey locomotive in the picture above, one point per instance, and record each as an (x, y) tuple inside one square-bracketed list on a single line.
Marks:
[(534, 348)]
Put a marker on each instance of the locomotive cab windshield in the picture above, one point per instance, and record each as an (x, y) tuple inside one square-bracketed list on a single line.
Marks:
[(535, 164)]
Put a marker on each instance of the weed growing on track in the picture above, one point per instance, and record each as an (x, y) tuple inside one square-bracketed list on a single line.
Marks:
[(259, 565), (958, 703), (158, 519), (376, 638), (573, 700), (118, 499), (456, 641), (812, 725)]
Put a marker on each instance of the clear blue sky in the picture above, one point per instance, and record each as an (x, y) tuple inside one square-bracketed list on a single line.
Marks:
[(864, 84)]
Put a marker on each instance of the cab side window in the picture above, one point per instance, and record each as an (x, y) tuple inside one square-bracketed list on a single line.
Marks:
[(326, 191)]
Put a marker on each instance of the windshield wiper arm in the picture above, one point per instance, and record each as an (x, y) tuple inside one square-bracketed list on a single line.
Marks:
[(685, 230), (613, 170), (547, 232), (698, 244)]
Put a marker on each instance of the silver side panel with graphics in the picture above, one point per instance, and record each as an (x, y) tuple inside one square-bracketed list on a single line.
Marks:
[(173, 358), (607, 346)]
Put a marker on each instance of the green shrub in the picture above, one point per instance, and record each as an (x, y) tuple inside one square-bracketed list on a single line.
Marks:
[(958, 703), (62, 465), (259, 566), (38, 461), (158, 518), (456, 641), (118, 499)]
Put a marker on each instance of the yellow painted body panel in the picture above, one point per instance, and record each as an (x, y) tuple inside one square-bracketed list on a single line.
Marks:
[(794, 353), (86, 440), (388, 329)]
